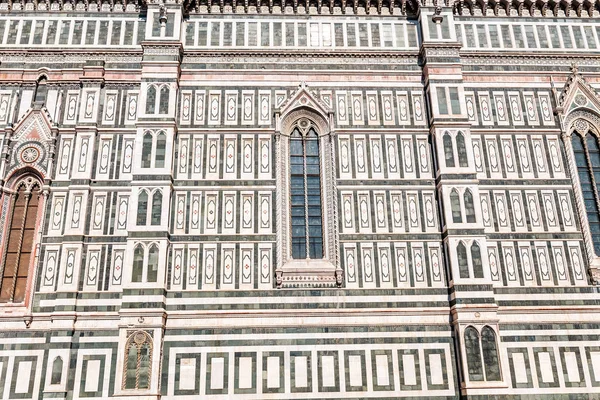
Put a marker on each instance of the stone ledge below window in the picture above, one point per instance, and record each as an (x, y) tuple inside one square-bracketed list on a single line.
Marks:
[(308, 274)]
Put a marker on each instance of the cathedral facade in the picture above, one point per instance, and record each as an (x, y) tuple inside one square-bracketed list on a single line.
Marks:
[(299, 200)]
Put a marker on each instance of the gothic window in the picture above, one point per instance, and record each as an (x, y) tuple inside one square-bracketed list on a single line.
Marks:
[(19, 250), (138, 361), (305, 190), (145, 263), (587, 158), (57, 367), (138, 264), (476, 259), (469, 206), (142, 210), (455, 207), (151, 99), (157, 98), (147, 150), (163, 101), (152, 272), (473, 352), (161, 147), (149, 212), (156, 207), (463, 264), (490, 354), (154, 148), (482, 354), (462, 150), (448, 150)]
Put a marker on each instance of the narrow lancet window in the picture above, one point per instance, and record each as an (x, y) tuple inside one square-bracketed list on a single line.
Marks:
[(20, 244), (305, 182), (587, 158)]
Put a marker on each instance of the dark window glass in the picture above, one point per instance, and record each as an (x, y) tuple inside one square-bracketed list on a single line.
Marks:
[(152, 273), (461, 149), (150, 100), (20, 245), (305, 191), (57, 366), (90, 33), (587, 158), (463, 266), (138, 264), (476, 258), (163, 101), (455, 206), (156, 208), (469, 206), (147, 150), (77, 32), (161, 147), (142, 208), (473, 354), (138, 361), (50, 36), (448, 151), (490, 354), (26, 32), (131, 371)]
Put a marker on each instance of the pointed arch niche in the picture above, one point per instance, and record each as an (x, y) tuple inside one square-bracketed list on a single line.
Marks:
[(307, 237)]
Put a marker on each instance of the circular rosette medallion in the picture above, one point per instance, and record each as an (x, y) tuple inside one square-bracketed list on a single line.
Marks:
[(30, 155)]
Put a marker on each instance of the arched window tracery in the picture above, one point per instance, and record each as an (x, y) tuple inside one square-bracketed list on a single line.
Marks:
[(19, 244), (138, 361), (482, 354), (586, 148), (305, 190)]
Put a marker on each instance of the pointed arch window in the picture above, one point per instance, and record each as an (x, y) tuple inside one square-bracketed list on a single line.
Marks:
[(152, 272), (461, 149), (142, 210), (19, 252), (163, 101), (156, 208), (463, 263), (151, 99), (154, 149), (161, 147), (473, 352), (448, 150), (305, 189), (147, 211), (138, 361), (482, 354), (138, 264), (469, 206), (455, 207), (587, 158), (147, 150), (57, 367), (476, 259), (145, 263)]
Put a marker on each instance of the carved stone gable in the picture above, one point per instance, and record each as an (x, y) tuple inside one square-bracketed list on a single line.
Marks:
[(31, 142), (576, 94), (304, 97)]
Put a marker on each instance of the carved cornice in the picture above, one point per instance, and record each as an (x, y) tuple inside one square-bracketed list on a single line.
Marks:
[(491, 8)]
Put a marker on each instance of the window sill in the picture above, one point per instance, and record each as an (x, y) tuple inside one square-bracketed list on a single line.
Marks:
[(308, 274)]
